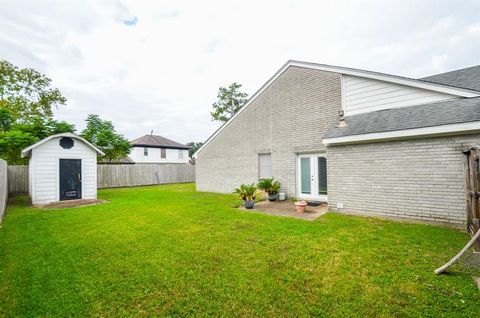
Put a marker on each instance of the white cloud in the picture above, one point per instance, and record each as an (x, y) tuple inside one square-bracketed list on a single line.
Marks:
[(162, 71)]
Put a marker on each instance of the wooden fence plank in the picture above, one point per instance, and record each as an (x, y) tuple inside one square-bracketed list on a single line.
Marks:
[(113, 176), (17, 179), (3, 187)]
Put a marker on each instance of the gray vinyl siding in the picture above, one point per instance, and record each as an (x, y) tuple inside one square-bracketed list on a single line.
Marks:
[(416, 179), (289, 117)]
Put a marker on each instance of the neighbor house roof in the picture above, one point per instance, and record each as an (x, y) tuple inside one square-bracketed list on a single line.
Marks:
[(26, 152), (448, 116), (418, 83), (155, 141), (468, 78)]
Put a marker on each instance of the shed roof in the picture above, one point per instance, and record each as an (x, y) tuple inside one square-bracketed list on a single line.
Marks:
[(27, 151), (156, 141)]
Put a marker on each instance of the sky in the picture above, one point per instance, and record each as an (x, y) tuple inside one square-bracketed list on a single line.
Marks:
[(157, 65)]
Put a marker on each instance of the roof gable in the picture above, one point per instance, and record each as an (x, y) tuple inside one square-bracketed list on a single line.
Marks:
[(26, 152), (421, 84)]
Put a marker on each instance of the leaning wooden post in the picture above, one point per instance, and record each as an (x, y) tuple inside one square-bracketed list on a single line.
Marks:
[(457, 257)]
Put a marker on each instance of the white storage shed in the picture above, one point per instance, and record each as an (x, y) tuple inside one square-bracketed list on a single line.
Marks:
[(62, 167)]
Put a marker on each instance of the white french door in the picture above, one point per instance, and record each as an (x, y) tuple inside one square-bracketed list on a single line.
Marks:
[(312, 177)]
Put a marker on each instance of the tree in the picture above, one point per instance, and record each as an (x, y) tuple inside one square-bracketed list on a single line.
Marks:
[(12, 143), (229, 101), (193, 147), (26, 102), (15, 136), (26, 93), (102, 134)]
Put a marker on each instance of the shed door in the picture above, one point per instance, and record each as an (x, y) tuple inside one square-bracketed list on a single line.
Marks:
[(70, 179)]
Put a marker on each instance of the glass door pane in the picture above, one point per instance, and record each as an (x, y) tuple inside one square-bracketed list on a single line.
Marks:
[(305, 175), (322, 175)]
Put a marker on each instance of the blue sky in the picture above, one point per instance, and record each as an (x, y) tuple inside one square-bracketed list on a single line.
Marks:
[(157, 65)]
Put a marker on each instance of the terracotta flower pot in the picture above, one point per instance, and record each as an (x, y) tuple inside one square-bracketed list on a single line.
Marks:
[(300, 206)]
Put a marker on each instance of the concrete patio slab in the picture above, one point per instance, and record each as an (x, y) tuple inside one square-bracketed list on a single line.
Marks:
[(288, 209), (70, 204)]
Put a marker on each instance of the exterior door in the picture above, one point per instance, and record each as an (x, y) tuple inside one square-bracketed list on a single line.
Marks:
[(312, 177), (70, 179), (472, 187)]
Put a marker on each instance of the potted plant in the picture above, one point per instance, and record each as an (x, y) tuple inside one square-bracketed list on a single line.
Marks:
[(301, 206), (247, 192), (270, 187)]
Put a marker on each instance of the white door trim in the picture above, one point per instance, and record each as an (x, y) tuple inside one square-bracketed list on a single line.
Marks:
[(313, 178)]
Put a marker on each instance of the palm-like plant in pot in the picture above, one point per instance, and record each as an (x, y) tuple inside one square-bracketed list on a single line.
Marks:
[(247, 192), (271, 187)]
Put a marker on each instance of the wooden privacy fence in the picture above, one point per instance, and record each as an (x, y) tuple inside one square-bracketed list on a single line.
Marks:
[(17, 179), (113, 176), (3, 187)]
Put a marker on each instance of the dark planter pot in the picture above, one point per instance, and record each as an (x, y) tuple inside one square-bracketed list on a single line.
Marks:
[(248, 204), (272, 197)]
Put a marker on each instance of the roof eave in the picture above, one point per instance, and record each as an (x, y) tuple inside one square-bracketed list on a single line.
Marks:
[(442, 130)]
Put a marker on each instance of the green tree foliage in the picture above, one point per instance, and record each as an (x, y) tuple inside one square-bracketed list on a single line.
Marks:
[(229, 100), (26, 101), (102, 134), (12, 143), (193, 147), (17, 135), (26, 93)]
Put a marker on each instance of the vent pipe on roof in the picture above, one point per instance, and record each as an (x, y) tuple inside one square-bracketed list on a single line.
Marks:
[(341, 119)]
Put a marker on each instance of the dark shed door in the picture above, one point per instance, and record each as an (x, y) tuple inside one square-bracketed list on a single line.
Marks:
[(70, 179)]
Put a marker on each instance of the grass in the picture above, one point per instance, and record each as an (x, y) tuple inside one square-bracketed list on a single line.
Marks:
[(171, 251)]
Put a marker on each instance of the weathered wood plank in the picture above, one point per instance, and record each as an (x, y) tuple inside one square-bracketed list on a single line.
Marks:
[(112, 176), (17, 179), (3, 187)]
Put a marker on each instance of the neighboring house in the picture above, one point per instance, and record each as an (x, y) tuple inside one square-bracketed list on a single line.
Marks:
[(157, 149), (399, 154), (62, 167)]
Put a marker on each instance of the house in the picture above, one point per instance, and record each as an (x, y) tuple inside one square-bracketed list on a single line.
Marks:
[(157, 149), (365, 142), (62, 167)]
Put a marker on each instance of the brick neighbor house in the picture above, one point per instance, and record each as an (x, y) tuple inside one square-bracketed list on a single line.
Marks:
[(399, 153)]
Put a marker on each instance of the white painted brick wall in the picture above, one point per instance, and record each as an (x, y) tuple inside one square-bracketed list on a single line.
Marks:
[(290, 116), (418, 179)]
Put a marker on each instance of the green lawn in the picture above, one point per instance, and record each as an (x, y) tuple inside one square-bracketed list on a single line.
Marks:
[(171, 251)]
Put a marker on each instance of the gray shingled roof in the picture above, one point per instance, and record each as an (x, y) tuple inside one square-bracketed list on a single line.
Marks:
[(156, 141), (468, 78), (427, 115)]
